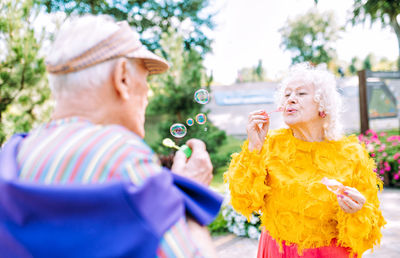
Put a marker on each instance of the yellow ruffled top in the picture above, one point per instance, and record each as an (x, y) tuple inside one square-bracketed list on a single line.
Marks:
[(283, 184)]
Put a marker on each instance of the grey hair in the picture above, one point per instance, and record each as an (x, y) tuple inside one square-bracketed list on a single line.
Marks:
[(326, 95), (75, 36)]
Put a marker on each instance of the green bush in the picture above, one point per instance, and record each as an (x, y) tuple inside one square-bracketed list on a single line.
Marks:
[(219, 225), (222, 156)]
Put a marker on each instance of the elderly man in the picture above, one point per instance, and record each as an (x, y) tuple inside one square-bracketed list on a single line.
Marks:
[(97, 73)]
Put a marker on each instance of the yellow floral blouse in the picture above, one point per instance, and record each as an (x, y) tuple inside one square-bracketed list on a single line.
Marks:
[(283, 184)]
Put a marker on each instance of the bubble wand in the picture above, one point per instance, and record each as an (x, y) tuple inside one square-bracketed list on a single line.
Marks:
[(167, 142), (269, 113), (276, 110)]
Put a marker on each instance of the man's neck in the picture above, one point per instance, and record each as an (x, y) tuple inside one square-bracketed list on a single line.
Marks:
[(78, 107)]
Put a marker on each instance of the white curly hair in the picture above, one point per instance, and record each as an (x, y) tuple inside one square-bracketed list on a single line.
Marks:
[(326, 95)]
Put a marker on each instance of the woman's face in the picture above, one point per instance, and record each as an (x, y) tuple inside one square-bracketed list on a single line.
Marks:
[(299, 106)]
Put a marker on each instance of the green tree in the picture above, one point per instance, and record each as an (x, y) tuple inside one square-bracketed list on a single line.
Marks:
[(173, 100), (310, 37), (260, 72), (252, 74), (386, 11), (150, 18), (385, 64), (368, 62), (23, 90), (354, 65), (371, 63)]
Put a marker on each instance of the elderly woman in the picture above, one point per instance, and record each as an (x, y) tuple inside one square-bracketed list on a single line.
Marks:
[(279, 174)]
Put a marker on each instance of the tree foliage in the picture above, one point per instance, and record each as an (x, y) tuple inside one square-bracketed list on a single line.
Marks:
[(23, 90), (310, 37), (385, 64), (150, 18), (354, 64), (386, 11), (252, 74), (173, 99), (370, 62)]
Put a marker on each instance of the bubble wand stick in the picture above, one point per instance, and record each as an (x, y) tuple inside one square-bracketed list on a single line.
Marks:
[(269, 113), (167, 142), (276, 110)]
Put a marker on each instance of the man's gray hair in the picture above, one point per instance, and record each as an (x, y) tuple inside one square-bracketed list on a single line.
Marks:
[(76, 36)]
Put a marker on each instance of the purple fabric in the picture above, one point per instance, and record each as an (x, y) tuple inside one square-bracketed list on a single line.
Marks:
[(85, 221), (103, 220), (200, 203), (9, 167)]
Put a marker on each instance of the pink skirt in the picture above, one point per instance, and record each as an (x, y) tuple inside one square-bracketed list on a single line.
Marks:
[(269, 248)]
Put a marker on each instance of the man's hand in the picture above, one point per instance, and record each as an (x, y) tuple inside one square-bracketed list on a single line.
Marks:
[(198, 167)]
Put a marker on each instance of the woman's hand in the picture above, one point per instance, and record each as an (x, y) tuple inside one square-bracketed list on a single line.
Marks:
[(351, 200), (257, 129)]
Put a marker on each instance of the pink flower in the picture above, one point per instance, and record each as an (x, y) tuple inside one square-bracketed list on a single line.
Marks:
[(396, 156), (361, 137), (386, 166), (375, 170), (382, 148), (396, 177), (394, 143), (383, 134), (398, 161), (373, 155), (370, 131), (393, 138), (381, 171), (384, 154)]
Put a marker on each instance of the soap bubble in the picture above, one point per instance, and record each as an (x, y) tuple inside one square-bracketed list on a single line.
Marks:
[(201, 118), (178, 130), (190, 121), (202, 96)]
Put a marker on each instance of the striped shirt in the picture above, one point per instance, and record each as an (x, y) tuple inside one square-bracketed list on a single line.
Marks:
[(75, 151)]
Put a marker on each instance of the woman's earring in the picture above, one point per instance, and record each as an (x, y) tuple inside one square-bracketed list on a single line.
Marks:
[(322, 114)]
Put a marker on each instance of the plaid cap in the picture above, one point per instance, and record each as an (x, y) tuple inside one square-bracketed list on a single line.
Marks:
[(123, 42)]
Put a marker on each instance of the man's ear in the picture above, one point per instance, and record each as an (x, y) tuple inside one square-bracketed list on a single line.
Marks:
[(121, 79)]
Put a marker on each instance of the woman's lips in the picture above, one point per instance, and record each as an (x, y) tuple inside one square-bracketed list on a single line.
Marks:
[(291, 111)]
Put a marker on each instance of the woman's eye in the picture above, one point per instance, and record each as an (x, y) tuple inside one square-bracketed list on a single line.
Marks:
[(302, 93), (287, 95)]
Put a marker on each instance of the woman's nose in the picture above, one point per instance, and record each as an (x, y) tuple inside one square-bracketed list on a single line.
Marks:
[(292, 99)]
